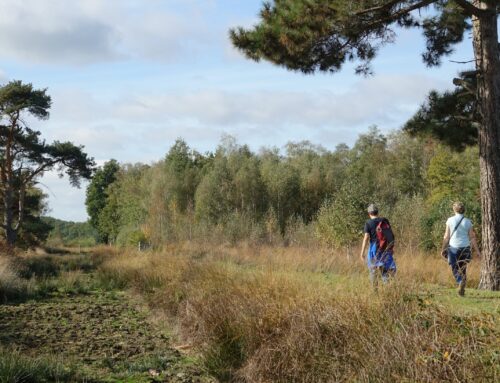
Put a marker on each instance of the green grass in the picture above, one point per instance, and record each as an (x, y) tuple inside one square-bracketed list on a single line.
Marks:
[(18, 368), (474, 301)]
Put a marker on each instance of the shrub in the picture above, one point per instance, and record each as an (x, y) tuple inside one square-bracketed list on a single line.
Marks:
[(130, 236), (12, 287)]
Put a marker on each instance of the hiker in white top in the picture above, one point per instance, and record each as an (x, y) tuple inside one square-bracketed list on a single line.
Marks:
[(458, 237)]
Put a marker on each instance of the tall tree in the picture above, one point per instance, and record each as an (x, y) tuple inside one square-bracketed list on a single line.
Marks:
[(321, 35), (97, 194), (25, 157)]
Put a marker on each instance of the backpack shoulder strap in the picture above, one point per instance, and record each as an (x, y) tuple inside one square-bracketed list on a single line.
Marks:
[(456, 226)]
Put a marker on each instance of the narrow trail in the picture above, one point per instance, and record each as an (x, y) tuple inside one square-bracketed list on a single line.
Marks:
[(105, 334)]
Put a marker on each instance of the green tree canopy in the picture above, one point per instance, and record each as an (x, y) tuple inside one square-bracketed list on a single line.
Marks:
[(96, 195), (25, 157), (451, 116), (319, 35)]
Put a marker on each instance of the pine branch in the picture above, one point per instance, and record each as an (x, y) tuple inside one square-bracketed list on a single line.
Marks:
[(402, 12), (470, 9), (464, 84), (377, 9)]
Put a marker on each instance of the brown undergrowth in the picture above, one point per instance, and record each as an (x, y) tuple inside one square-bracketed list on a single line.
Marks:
[(297, 315)]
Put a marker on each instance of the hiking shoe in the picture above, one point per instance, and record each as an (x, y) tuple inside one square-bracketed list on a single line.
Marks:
[(461, 289)]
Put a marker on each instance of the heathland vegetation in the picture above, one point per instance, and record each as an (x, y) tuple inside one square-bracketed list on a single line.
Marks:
[(239, 265), (248, 270)]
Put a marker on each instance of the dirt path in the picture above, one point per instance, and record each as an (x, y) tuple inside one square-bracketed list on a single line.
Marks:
[(103, 333)]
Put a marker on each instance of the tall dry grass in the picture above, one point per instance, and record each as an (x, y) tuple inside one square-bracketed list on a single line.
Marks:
[(289, 315)]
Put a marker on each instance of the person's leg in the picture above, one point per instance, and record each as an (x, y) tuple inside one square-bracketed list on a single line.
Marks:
[(463, 258), (452, 260), (388, 271), (372, 268), (387, 274), (462, 269), (376, 274)]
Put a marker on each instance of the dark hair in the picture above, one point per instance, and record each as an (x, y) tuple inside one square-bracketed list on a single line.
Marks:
[(372, 209)]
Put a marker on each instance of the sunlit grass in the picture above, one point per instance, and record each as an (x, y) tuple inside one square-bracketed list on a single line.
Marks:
[(296, 314)]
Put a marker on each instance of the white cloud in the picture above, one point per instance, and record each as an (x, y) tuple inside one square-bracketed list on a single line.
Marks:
[(36, 31), (153, 119), (133, 128), (65, 202), (382, 99), (89, 31)]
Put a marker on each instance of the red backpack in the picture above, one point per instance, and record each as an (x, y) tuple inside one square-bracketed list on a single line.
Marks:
[(385, 236)]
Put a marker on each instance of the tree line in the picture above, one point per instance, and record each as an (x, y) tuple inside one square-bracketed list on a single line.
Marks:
[(303, 193)]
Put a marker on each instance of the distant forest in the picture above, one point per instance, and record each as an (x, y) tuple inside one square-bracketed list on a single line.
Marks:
[(67, 233), (303, 194)]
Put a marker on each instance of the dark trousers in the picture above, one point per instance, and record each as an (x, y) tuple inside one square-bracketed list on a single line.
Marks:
[(458, 260)]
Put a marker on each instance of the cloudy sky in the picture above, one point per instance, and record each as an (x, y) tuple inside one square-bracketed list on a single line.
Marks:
[(128, 77)]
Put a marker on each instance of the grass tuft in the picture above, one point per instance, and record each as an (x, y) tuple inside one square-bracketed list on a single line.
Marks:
[(16, 368)]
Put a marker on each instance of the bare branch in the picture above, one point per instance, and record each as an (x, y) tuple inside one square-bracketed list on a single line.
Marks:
[(41, 169), (463, 62)]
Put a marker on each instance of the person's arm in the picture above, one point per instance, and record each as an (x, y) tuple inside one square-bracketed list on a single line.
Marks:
[(366, 238), (473, 241)]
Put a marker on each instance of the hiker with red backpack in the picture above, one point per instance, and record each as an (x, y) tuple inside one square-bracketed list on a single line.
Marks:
[(379, 235)]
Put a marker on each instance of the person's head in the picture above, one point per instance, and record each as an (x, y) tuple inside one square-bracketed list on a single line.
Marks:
[(458, 207), (372, 210)]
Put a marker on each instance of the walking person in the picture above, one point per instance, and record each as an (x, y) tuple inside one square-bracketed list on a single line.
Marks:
[(458, 237), (378, 234)]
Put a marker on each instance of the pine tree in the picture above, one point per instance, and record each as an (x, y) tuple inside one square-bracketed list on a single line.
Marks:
[(451, 117), (25, 157)]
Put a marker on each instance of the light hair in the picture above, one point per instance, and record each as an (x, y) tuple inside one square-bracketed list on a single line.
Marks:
[(458, 207)]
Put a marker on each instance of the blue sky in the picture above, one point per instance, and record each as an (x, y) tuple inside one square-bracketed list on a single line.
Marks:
[(128, 77)]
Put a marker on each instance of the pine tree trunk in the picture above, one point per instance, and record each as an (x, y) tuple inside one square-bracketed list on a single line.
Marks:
[(8, 196), (8, 216), (486, 51)]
